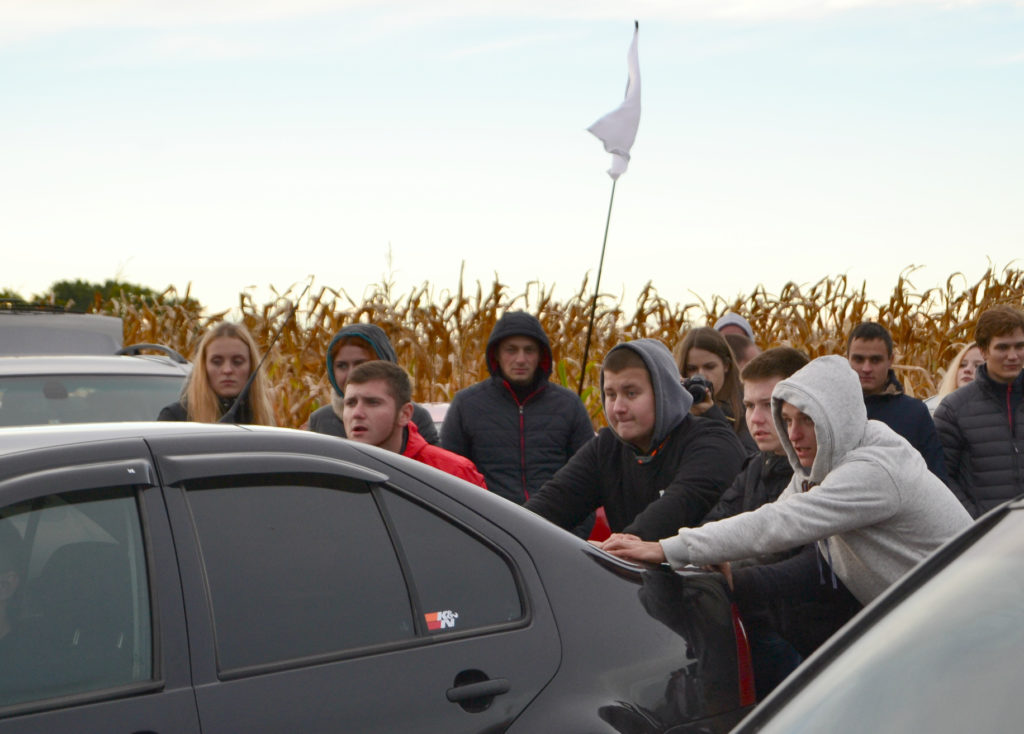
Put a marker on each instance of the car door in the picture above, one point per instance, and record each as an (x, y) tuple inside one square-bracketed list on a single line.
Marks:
[(323, 598), (89, 596)]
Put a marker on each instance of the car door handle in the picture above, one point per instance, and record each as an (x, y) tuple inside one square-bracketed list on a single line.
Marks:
[(483, 689)]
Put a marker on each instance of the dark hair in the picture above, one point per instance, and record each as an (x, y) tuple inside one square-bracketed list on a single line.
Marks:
[(869, 331), (398, 382), (997, 321), (775, 362), (713, 341), (739, 344), (622, 359)]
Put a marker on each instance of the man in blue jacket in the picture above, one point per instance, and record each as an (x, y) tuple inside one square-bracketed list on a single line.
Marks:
[(869, 350), (518, 427)]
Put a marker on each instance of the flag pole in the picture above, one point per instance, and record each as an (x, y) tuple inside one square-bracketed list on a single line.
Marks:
[(597, 290), (617, 130)]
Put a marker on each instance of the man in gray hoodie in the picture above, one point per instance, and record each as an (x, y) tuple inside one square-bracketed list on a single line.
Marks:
[(859, 489)]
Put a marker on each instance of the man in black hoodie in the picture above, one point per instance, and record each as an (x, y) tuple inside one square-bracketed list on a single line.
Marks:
[(518, 427), (657, 468)]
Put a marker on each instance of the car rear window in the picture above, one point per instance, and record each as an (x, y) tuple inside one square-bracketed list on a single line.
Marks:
[(41, 399)]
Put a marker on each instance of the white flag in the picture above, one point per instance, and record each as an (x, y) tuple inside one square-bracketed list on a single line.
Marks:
[(617, 129)]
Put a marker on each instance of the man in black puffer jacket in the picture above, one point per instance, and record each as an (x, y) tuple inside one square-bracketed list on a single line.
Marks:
[(517, 427), (981, 425)]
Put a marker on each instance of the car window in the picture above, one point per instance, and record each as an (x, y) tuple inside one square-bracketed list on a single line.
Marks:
[(41, 399), (297, 570), (946, 659), (74, 598), (461, 582)]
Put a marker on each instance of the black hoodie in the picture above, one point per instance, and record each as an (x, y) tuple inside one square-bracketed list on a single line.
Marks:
[(651, 495)]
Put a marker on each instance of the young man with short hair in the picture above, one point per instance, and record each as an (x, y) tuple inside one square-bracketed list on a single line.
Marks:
[(981, 425), (869, 350), (859, 490), (656, 467), (517, 426), (378, 411), (350, 347)]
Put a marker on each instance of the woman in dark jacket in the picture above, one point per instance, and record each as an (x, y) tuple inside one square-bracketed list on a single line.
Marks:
[(226, 356)]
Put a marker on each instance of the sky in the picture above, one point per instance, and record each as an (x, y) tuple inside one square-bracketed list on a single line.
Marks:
[(250, 145)]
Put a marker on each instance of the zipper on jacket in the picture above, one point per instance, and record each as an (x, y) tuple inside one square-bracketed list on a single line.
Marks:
[(522, 432)]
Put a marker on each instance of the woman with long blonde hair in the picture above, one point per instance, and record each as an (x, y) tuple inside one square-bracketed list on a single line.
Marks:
[(959, 373), (226, 356)]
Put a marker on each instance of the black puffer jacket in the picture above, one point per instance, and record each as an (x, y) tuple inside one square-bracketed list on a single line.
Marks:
[(761, 481), (981, 427), (518, 441)]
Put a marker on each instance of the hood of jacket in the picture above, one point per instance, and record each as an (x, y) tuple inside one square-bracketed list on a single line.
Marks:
[(519, 323), (829, 392), (672, 401), (374, 337)]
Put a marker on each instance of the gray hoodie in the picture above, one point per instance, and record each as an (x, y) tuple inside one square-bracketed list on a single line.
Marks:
[(868, 499)]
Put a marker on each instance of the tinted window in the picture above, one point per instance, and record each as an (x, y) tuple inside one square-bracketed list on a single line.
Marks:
[(74, 600), (947, 659), (296, 570), (84, 398), (461, 582)]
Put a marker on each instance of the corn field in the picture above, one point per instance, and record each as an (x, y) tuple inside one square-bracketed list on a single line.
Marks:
[(440, 339)]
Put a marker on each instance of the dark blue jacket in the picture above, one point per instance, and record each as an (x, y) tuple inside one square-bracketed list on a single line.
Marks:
[(517, 440), (910, 418)]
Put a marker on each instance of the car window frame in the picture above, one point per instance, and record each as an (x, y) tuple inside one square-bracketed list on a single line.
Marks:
[(188, 472), (134, 477)]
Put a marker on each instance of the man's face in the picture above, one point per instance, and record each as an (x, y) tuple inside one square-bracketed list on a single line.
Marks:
[(347, 357), (757, 402), (800, 430), (371, 416), (629, 405), (518, 357), (871, 361), (1004, 356)]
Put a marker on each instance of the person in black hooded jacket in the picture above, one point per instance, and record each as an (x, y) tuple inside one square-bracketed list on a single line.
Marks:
[(657, 468), (518, 427), (351, 346)]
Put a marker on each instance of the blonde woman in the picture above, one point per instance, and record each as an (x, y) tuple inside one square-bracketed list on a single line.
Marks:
[(226, 356), (960, 372)]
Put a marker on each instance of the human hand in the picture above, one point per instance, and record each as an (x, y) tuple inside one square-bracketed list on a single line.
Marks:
[(723, 568), (632, 548)]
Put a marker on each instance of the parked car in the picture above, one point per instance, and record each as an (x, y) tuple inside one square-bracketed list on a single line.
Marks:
[(58, 367), (28, 329), (942, 651), (184, 578), (80, 389)]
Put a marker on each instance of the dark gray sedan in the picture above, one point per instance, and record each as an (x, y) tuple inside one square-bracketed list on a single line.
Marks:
[(209, 578)]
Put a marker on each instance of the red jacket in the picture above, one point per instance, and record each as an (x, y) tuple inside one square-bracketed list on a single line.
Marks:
[(416, 447)]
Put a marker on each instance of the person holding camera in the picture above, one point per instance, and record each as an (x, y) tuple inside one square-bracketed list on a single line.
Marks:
[(712, 377), (657, 467)]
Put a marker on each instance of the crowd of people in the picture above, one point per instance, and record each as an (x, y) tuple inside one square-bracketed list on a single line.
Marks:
[(812, 485)]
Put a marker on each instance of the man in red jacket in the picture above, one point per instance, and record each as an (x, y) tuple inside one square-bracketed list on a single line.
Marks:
[(378, 411)]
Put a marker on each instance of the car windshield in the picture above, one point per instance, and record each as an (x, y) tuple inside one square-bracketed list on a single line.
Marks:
[(946, 659), (39, 399)]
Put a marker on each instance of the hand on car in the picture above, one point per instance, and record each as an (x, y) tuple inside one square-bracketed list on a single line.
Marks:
[(632, 548)]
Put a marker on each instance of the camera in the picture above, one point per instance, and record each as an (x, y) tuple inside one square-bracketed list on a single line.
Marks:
[(699, 387)]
